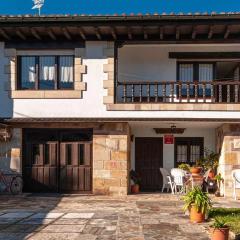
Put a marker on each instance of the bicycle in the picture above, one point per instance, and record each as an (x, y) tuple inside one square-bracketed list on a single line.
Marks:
[(12, 180)]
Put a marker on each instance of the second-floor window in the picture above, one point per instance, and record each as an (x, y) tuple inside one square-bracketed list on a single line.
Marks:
[(45, 72), (201, 72)]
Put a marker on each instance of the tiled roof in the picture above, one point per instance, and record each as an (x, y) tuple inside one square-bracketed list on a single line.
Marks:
[(143, 15)]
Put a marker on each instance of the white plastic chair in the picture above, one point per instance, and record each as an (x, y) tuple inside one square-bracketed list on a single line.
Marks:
[(178, 179), (167, 180), (236, 182)]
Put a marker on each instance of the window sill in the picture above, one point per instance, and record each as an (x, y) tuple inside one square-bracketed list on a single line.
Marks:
[(46, 94)]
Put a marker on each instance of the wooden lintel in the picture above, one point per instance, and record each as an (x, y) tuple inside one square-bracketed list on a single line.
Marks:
[(66, 33), (169, 130), (51, 34), (20, 34), (98, 34), (227, 32), (210, 33), (82, 34), (4, 34), (113, 32), (129, 30), (35, 34), (161, 30)]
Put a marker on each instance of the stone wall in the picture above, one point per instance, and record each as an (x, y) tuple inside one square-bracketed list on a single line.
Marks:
[(228, 144), (111, 161), (10, 152)]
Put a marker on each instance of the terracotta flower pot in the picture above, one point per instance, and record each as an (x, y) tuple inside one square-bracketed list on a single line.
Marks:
[(211, 174), (195, 215), (195, 170), (135, 188), (220, 234)]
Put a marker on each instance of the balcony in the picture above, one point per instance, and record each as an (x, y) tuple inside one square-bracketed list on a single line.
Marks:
[(178, 92)]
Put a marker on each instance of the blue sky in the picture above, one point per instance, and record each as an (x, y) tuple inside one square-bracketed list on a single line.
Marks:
[(118, 6)]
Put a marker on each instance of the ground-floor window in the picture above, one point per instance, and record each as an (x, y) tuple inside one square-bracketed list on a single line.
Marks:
[(188, 150)]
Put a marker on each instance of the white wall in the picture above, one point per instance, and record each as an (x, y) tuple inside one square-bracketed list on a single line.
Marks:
[(144, 130), (91, 105)]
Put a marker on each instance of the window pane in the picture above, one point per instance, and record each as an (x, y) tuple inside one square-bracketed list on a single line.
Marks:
[(47, 72), (69, 154), (81, 154), (181, 153), (186, 72), (36, 153), (66, 72), (28, 72), (205, 72), (47, 154), (195, 153)]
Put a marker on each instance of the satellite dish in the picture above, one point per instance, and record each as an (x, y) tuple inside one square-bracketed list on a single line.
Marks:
[(38, 5)]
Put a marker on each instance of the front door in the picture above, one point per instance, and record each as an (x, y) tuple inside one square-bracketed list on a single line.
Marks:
[(57, 160), (148, 160)]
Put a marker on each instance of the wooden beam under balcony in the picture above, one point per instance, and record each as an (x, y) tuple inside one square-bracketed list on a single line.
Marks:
[(97, 33), (20, 34), (177, 33), (35, 34), (210, 33), (129, 33), (161, 32), (227, 32), (51, 34), (113, 32), (145, 34), (82, 34), (66, 33), (4, 34), (194, 33)]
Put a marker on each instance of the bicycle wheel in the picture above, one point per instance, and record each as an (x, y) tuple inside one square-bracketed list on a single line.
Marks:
[(16, 185)]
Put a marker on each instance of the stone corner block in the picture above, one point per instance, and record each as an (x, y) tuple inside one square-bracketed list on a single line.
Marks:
[(108, 99)]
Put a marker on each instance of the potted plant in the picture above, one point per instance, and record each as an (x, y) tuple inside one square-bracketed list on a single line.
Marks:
[(196, 169), (197, 203), (184, 166), (219, 180), (219, 230), (136, 180), (209, 162)]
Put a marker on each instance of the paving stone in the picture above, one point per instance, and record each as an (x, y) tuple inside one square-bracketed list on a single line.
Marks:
[(46, 215), (5, 221), (14, 236), (23, 228), (16, 215), (64, 228), (70, 221), (36, 221), (62, 236), (78, 215)]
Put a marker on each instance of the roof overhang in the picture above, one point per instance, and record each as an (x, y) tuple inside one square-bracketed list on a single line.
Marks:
[(160, 28)]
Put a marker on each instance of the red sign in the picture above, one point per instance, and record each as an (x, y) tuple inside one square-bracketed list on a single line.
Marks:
[(168, 139)]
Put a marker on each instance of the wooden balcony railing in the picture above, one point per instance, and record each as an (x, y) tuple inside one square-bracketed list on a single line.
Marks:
[(178, 92)]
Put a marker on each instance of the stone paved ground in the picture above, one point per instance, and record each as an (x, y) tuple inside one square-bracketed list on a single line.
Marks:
[(135, 217)]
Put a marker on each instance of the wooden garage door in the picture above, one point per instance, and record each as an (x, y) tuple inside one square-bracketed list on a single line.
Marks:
[(75, 166), (40, 168), (59, 165), (148, 160)]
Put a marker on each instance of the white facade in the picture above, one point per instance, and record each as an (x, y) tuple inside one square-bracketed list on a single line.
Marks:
[(149, 62), (145, 129)]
